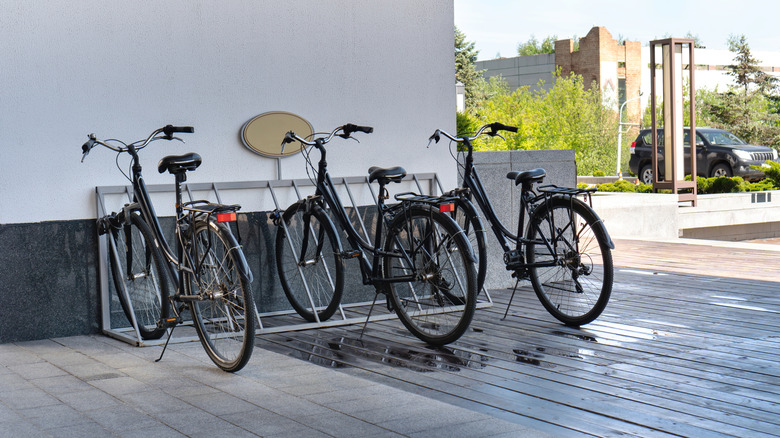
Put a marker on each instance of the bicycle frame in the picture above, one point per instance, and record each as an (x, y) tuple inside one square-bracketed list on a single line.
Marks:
[(326, 193)]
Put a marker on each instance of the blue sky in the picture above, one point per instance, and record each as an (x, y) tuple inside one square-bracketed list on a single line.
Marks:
[(497, 26)]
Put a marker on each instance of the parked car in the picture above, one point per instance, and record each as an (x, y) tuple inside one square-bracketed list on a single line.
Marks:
[(718, 153)]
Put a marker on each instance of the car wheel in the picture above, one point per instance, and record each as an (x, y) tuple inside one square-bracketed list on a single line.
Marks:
[(721, 169), (646, 174)]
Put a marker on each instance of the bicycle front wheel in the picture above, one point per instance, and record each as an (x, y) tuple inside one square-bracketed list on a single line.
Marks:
[(139, 276), (437, 300), (573, 273), (468, 219), (224, 314), (310, 269)]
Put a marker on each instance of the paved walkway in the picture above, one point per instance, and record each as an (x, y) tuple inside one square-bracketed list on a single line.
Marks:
[(94, 386)]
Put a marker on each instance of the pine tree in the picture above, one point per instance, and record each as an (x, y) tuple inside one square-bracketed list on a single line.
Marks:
[(746, 70), (465, 71)]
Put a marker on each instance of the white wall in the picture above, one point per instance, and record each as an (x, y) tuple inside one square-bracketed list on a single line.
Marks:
[(123, 68)]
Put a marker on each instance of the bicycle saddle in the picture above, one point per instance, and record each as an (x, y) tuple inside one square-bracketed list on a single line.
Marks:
[(525, 176), (395, 174), (179, 163)]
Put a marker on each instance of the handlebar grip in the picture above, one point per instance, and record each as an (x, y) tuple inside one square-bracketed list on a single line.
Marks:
[(495, 127), (288, 138), (349, 128), (435, 137), (86, 147), (170, 129)]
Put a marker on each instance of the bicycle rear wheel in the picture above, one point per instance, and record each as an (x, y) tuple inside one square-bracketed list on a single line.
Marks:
[(577, 283), (438, 300), (137, 267), (224, 316), (310, 269)]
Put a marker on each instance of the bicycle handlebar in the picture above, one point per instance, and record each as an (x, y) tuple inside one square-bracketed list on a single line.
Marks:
[(346, 132), (167, 132), (493, 127)]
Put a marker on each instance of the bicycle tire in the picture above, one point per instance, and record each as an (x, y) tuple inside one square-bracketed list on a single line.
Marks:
[(438, 305), (224, 317), (576, 290), (146, 282), (468, 219), (321, 272)]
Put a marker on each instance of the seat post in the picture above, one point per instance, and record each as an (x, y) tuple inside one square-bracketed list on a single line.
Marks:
[(181, 177)]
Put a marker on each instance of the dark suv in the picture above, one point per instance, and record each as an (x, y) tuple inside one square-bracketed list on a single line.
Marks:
[(718, 153)]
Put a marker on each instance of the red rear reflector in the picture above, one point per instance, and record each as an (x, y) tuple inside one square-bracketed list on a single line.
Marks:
[(446, 208), (226, 217)]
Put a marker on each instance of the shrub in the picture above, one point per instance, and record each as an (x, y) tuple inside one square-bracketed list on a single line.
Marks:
[(726, 185), (772, 172), (624, 187), (759, 186), (599, 173)]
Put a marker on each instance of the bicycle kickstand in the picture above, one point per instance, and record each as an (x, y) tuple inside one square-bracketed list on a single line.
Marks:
[(170, 323), (371, 310), (510, 299)]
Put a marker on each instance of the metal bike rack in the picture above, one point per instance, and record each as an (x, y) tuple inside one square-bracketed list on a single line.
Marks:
[(426, 183)]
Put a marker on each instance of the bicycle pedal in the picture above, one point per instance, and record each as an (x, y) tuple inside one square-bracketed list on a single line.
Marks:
[(350, 254), (171, 322)]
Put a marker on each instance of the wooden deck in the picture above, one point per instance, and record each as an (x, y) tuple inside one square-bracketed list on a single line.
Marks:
[(689, 345)]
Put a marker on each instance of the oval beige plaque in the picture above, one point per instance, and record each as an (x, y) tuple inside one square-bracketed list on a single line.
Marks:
[(264, 133)]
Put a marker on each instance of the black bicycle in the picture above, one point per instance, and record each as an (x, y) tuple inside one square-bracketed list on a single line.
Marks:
[(566, 251), (208, 269), (420, 258)]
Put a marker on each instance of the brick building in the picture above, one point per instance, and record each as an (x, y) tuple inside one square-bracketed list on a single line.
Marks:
[(615, 67)]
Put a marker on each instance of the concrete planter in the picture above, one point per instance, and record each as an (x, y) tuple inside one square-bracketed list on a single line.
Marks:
[(726, 216)]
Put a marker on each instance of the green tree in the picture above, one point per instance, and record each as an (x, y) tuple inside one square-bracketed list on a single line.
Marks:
[(746, 70), (536, 47), (465, 70), (565, 116)]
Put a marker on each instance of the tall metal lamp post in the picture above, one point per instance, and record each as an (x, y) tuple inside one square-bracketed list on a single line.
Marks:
[(622, 124)]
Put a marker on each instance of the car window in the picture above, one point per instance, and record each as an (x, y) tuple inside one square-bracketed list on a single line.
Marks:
[(722, 138)]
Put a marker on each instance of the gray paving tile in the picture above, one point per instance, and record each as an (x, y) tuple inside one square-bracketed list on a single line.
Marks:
[(27, 398), (13, 382), (219, 403), (265, 423), (61, 384), (119, 385), (159, 431), (341, 425), (92, 370), (90, 429), (7, 414), (88, 400), (56, 416), (20, 428), (120, 360), (10, 356), (192, 422), (154, 401), (37, 370), (121, 418)]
